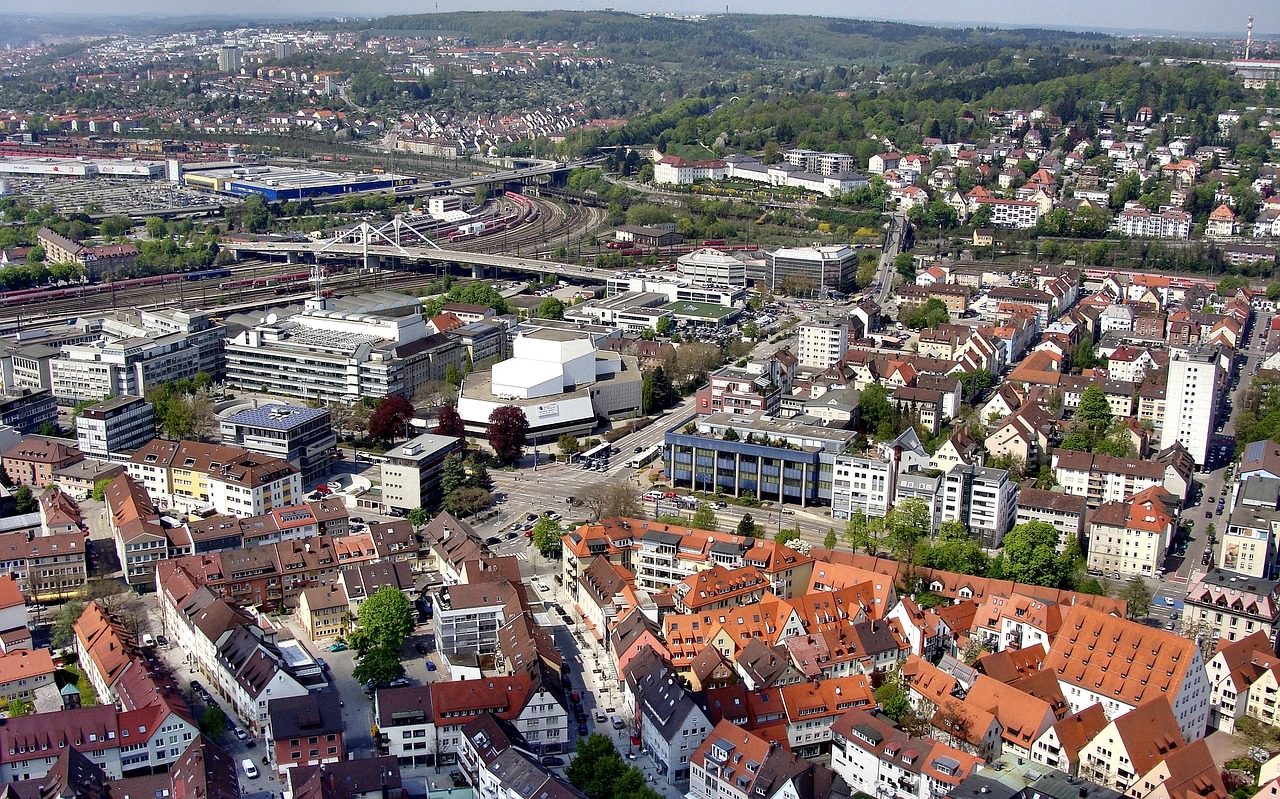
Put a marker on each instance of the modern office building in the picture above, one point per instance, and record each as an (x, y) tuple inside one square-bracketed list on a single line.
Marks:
[(27, 410), (342, 351), (712, 267), (869, 483), (1191, 399), (302, 436), (739, 453), (816, 270), (114, 425), (823, 344), (411, 472)]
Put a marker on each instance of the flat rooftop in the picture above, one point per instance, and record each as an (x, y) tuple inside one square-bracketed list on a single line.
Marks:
[(277, 417), (291, 178), (699, 310)]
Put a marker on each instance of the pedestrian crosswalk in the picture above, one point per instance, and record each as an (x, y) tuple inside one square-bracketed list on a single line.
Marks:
[(521, 556)]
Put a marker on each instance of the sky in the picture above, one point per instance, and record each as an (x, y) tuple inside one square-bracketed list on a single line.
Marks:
[(1219, 17)]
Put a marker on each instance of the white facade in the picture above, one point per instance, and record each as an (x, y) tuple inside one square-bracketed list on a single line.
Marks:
[(544, 363), (712, 267), (822, 345), (235, 499), (1012, 213), (982, 498), (1191, 399)]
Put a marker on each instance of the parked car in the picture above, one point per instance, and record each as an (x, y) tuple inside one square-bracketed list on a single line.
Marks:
[(431, 666), (338, 646), (420, 648), (582, 729), (250, 770), (552, 760), (399, 682), (241, 735)]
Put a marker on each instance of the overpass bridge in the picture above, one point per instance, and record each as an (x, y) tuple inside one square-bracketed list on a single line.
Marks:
[(383, 246)]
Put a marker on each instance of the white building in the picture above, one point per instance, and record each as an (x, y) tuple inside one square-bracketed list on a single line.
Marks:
[(120, 423), (870, 483), (411, 472), (1011, 213), (823, 344), (877, 759), (254, 484), (1133, 537), (1157, 663), (674, 170), (1191, 399), (301, 436), (712, 267), (981, 498)]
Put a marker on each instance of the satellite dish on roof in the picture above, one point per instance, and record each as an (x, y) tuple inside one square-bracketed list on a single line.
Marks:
[(272, 318)]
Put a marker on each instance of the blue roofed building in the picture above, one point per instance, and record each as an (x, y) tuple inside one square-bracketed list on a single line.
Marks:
[(302, 436)]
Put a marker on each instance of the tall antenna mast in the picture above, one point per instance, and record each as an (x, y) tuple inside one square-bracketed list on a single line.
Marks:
[(317, 278), (1248, 40)]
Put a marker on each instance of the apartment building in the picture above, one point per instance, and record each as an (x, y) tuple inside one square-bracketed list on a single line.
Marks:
[(1066, 512), (235, 651), (469, 615), (178, 473), (302, 436), (739, 391), (1196, 377), (251, 485), (1167, 223), (33, 461), (46, 567), (1160, 664), (671, 725), (1131, 746), (733, 763), (1230, 606), (877, 759), (115, 425), (1235, 668), (28, 409), (869, 483), (822, 344), (366, 778), (499, 763), (104, 649), (1059, 746), (323, 612), (1022, 214), (411, 472), (1104, 478), (141, 537), (1133, 537), (303, 731), (982, 498)]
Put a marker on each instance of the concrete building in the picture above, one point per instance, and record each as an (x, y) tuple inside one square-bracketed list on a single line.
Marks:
[(115, 425), (822, 345), (560, 380), (302, 436), (1191, 400), (303, 731), (1066, 512), (229, 59), (469, 615), (411, 472), (27, 410), (1249, 543), (712, 267), (981, 498), (341, 351), (813, 271), (869, 483), (750, 460)]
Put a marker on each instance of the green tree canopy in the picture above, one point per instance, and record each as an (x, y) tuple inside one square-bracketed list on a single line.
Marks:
[(746, 525), (1138, 597), (547, 533), (704, 518), (386, 620), (1031, 555), (453, 475), (213, 722), (378, 665), (551, 308)]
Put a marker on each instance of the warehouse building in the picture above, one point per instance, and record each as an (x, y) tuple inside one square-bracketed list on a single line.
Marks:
[(280, 183)]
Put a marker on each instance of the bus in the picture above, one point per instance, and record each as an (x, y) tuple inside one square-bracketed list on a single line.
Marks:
[(645, 458), (600, 451)]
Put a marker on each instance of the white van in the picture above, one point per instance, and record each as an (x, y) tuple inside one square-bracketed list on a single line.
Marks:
[(250, 770), (147, 640)]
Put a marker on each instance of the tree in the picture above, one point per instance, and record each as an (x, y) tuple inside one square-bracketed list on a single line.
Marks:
[(100, 488), (746, 526), (389, 418), (449, 422), (829, 541), (704, 518), (664, 326), (909, 524), (568, 445), (1138, 596), (656, 390), (857, 532), (905, 265), (508, 429), (379, 665), (467, 500), (453, 376), (786, 535), (616, 497), (20, 707), (891, 699), (546, 535), (386, 620), (419, 517), (1031, 555), (550, 308), (25, 501), (1230, 284), (599, 772), (874, 408), (64, 623), (956, 551), (453, 475), (213, 722), (1094, 411)]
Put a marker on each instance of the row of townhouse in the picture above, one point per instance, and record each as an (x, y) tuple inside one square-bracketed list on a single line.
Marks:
[(498, 762), (424, 725), (235, 650), (193, 475)]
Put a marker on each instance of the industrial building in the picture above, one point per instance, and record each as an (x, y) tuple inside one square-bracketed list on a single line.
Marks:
[(287, 183), (81, 167)]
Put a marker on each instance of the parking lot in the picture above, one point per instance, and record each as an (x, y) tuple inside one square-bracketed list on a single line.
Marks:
[(109, 195)]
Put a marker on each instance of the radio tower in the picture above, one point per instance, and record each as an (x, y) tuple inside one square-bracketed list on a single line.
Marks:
[(1248, 40)]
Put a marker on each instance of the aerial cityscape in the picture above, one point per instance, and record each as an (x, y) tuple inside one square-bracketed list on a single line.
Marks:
[(596, 404)]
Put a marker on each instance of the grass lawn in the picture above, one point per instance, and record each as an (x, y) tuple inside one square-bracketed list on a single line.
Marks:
[(88, 696), (690, 152)]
